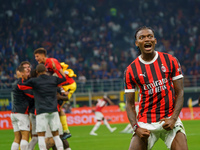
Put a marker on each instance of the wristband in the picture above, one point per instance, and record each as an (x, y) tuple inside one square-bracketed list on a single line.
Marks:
[(135, 127)]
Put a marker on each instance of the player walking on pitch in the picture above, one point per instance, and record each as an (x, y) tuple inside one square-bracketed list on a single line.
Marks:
[(101, 103), (160, 80)]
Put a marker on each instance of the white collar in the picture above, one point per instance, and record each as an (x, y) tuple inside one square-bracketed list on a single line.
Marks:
[(149, 62)]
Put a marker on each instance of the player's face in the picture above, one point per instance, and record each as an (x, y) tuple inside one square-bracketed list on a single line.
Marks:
[(27, 70), (40, 58), (146, 41)]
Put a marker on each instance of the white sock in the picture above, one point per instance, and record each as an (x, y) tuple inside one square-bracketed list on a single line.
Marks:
[(58, 142), (41, 143), (24, 145), (107, 124), (15, 146), (32, 143), (128, 127), (96, 126), (68, 149)]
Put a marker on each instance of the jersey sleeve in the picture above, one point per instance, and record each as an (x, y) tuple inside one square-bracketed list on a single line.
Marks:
[(129, 84), (25, 85), (58, 67), (176, 69)]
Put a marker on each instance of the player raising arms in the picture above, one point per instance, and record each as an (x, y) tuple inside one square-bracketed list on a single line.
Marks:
[(41, 58), (160, 80)]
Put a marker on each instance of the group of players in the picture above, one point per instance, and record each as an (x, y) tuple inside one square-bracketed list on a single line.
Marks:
[(157, 74), (38, 98)]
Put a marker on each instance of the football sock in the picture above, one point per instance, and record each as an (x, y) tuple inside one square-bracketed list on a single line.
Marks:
[(58, 142), (107, 124), (24, 145), (127, 127), (41, 143), (63, 120), (97, 125), (32, 143), (15, 146)]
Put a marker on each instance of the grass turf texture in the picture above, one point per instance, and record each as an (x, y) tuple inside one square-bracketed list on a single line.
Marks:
[(81, 140)]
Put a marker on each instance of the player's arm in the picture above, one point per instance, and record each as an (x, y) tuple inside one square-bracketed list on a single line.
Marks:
[(130, 107), (179, 99), (25, 85), (62, 97), (109, 101), (131, 113), (57, 68)]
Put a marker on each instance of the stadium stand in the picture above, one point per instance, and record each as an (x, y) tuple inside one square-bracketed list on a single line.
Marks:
[(96, 38)]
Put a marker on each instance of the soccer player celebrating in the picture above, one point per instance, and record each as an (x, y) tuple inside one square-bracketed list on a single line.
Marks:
[(19, 115), (160, 80), (69, 87), (45, 91), (101, 103), (41, 58)]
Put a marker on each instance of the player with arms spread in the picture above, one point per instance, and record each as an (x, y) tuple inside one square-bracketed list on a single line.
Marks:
[(160, 80)]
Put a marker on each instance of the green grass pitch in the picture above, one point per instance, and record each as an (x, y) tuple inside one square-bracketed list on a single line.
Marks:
[(81, 140)]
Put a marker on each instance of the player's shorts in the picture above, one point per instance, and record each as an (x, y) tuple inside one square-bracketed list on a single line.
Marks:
[(20, 122), (49, 134), (33, 122), (157, 132), (71, 88), (45, 119), (98, 115)]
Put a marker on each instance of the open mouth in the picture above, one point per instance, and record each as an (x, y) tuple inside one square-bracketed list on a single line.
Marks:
[(148, 46)]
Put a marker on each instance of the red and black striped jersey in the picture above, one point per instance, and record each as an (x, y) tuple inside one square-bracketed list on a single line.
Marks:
[(154, 79), (49, 66)]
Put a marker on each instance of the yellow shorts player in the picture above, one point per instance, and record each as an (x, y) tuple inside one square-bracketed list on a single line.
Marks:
[(68, 87)]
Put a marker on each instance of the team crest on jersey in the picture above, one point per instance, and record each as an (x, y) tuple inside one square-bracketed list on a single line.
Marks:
[(163, 68)]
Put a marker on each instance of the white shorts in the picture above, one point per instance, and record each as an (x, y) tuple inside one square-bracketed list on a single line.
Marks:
[(44, 119), (157, 132), (33, 123), (20, 122), (98, 115), (49, 134)]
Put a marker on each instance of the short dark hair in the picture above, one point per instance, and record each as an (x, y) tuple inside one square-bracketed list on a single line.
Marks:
[(33, 73), (40, 68), (142, 28), (25, 62), (40, 50)]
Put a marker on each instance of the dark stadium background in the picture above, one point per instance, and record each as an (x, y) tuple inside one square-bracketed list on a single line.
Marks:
[(96, 39)]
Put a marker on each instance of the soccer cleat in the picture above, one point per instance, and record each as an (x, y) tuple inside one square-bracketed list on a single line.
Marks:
[(66, 135), (93, 133), (113, 129)]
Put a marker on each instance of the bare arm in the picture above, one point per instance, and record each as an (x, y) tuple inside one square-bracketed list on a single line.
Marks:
[(179, 99), (109, 101), (130, 107)]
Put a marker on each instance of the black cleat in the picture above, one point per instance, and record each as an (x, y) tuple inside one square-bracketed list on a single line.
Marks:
[(66, 135)]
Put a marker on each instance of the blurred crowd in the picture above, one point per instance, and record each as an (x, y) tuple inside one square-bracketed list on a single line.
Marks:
[(96, 38)]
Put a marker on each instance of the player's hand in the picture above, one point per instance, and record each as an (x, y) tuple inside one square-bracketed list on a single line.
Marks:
[(169, 123), (143, 133), (59, 96), (53, 65)]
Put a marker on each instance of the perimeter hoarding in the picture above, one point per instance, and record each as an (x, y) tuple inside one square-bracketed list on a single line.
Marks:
[(85, 116)]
